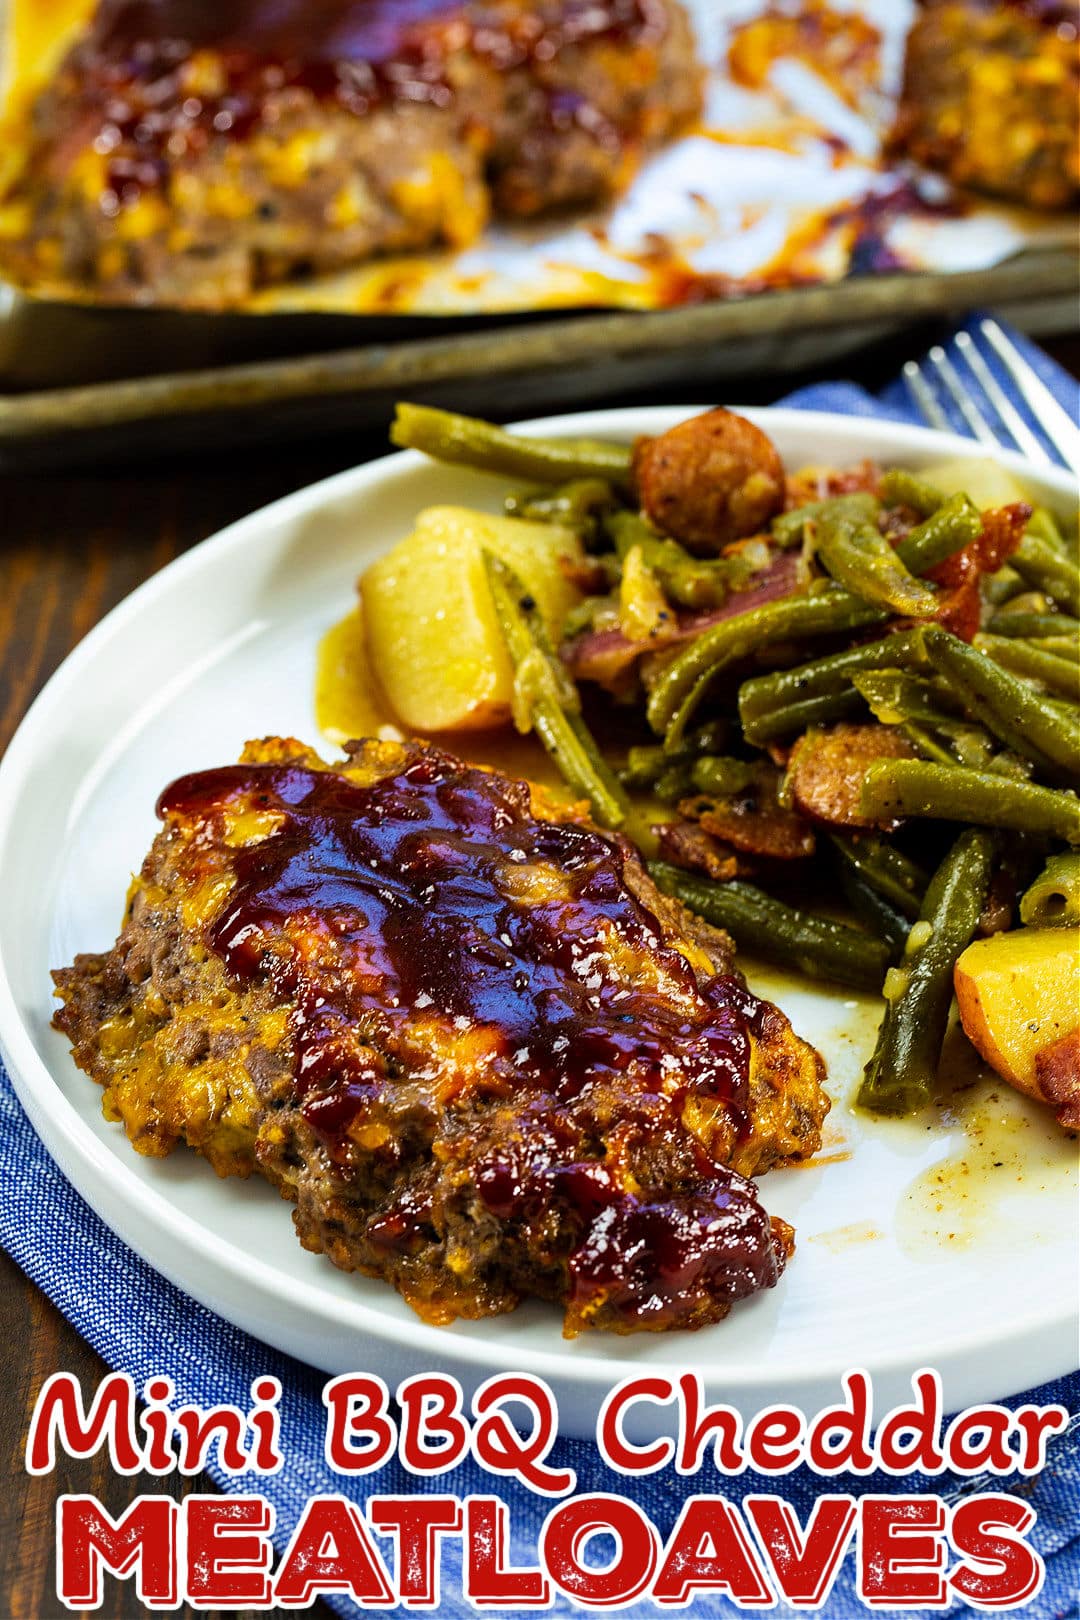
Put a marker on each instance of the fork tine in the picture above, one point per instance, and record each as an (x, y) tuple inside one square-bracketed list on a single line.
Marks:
[(1007, 412), (1051, 417), (960, 396), (924, 397)]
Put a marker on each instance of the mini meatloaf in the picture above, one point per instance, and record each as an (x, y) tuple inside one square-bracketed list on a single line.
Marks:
[(459, 1028), (189, 153), (991, 97)]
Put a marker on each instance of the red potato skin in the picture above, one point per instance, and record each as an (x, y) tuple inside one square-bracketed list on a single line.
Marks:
[(710, 480), (1057, 1078), (1020, 142)]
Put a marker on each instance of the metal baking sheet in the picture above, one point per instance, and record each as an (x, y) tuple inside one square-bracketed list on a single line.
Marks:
[(785, 180), (514, 370), (783, 185)]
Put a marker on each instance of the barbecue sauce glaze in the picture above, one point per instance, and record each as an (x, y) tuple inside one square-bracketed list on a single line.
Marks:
[(356, 54), (414, 879)]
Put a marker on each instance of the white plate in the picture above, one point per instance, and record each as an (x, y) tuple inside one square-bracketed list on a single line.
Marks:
[(895, 1269)]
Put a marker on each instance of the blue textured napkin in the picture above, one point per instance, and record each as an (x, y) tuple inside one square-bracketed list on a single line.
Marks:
[(141, 1324)]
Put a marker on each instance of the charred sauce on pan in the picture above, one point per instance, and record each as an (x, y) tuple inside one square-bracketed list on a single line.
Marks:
[(413, 876), (410, 881)]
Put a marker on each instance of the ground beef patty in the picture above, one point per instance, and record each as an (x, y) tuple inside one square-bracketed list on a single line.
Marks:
[(460, 1028), (991, 96), (190, 153)]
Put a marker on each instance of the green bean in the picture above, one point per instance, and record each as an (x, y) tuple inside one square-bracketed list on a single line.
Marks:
[(1043, 524), (682, 685), (1033, 625), (674, 784), (1023, 658), (894, 696), (902, 488), (885, 869), (925, 744), (695, 582), (817, 946), (913, 787), (874, 912), (858, 556), (970, 745), (918, 994), (584, 615), (775, 705), (1049, 570), (575, 504), (1005, 705), (947, 526), (789, 528), (645, 764), (972, 750), (1053, 900), (707, 739), (796, 717), (1002, 764), (545, 694), (897, 699), (1002, 586), (1059, 646), (723, 777), (449, 437), (627, 529), (955, 524), (921, 709)]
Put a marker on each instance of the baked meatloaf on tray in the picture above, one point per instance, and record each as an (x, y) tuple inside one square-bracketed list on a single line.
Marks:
[(991, 97), (189, 153), (459, 1027)]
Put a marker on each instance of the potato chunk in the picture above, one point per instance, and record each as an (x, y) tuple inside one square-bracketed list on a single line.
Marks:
[(981, 480), (1019, 995), (432, 632)]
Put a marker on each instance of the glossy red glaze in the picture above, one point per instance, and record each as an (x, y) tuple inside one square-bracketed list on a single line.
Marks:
[(407, 887), (358, 54), (422, 895), (277, 30)]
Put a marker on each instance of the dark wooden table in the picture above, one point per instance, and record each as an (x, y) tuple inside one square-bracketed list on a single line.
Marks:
[(71, 546)]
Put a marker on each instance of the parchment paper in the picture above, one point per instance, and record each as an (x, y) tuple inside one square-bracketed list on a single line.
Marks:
[(782, 185)]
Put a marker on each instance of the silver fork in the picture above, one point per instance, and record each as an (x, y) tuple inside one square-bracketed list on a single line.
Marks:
[(939, 376)]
